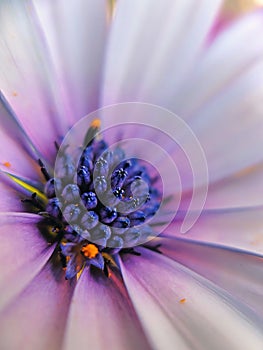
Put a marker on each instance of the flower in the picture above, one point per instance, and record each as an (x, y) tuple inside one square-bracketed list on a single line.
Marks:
[(62, 60)]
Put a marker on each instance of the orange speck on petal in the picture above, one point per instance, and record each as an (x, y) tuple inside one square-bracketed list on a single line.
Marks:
[(7, 164), (14, 93), (183, 300), (90, 251), (95, 123)]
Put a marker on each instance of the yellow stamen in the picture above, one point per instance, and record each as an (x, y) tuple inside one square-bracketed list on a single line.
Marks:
[(90, 251), (79, 273), (96, 123), (109, 259), (28, 187)]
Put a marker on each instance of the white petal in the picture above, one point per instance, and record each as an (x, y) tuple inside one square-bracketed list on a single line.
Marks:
[(230, 127), (221, 64), (17, 153), (243, 189), (223, 106), (25, 74), (75, 32), (24, 252), (208, 319), (222, 98), (37, 317), (45, 100), (219, 264), (240, 190), (101, 317), (241, 228), (149, 41)]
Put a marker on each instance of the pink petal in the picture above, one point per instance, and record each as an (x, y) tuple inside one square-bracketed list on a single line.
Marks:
[(24, 252), (26, 75), (219, 264), (180, 309), (241, 228), (29, 70), (243, 189), (10, 200), (37, 317), (101, 317), (17, 153)]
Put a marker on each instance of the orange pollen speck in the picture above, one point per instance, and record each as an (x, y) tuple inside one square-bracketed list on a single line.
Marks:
[(14, 93), (96, 123), (90, 251), (7, 164), (182, 301)]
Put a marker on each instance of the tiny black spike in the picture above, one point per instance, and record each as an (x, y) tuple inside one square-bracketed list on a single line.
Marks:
[(44, 170)]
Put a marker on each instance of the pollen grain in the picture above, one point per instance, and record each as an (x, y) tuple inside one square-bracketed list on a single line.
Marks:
[(7, 164), (90, 251), (96, 123), (182, 301)]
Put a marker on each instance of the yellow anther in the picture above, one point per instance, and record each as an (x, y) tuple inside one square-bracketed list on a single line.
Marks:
[(96, 123), (90, 251), (27, 186), (110, 260)]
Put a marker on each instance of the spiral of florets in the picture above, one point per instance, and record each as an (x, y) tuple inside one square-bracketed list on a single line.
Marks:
[(106, 199)]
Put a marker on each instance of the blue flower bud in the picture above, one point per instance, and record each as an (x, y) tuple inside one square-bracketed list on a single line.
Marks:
[(90, 200), (89, 220), (71, 193), (65, 168), (72, 213), (115, 242), (107, 214), (100, 184), (53, 207), (136, 218), (83, 177), (52, 186), (101, 168), (100, 235), (131, 236), (118, 178), (121, 222)]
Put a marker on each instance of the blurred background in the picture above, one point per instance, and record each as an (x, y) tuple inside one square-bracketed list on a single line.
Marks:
[(233, 8)]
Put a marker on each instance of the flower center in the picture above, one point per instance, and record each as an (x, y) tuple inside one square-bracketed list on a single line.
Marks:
[(101, 206)]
